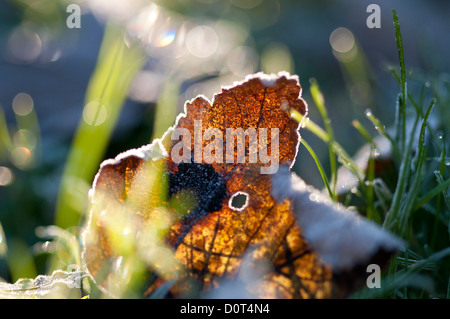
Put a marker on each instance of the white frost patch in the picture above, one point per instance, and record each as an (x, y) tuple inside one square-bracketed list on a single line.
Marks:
[(154, 151), (267, 80), (340, 236), (57, 285)]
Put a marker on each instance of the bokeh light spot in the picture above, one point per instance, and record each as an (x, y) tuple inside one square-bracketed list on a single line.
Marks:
[(95, 113), (22, 104), (277, 57), (6, 178), (21, 157), (342, 40), (242, 60), (24, 45), (24, 137), (202, 41)]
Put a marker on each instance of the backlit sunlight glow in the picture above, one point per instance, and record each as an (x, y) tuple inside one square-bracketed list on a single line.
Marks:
[(242, 61), (117, 10), (165, 39), (86, 80), (188, 48), (160, 33), (202, 41)]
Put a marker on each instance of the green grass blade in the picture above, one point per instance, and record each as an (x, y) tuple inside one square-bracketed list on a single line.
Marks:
[(20, 260), (401, 55), (369, 191), (166, 108), (444, 193), (440, 180), (380, 128), (5, 138), (400, 123), (337, 148), (360, 128), (431, 194), (417, 182), (320, 103), (394, 73), (399, 278), (401, 106), (392, 214), (310, 126), (421, 100), (343, 157), (116, 67), (3, 245), (320, 168)]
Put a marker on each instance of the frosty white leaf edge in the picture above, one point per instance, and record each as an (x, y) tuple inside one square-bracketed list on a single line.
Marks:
[(342, 238)]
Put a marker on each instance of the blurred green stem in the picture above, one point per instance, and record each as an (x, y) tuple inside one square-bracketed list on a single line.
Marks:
[(116, 66), (321, 170), (166, 109), (320, 103), (344, 158)]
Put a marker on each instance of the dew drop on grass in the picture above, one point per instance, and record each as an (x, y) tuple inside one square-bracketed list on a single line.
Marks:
[(376, 153)]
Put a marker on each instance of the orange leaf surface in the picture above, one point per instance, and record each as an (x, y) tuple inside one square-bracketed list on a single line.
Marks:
[(258, 247)]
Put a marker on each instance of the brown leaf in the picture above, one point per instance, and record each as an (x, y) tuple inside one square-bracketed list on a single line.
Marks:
[(217, 241)]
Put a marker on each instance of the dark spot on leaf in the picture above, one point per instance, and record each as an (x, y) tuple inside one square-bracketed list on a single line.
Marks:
[(208, 185)]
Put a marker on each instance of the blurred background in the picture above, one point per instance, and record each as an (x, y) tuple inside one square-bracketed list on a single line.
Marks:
[(71, 97)]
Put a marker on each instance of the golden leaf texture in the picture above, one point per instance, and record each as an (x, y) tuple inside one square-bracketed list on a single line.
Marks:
[(204, 215)]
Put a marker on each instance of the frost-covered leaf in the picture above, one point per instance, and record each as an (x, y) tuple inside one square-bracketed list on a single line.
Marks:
[(142, 205), (60, 284), (342, 238)]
